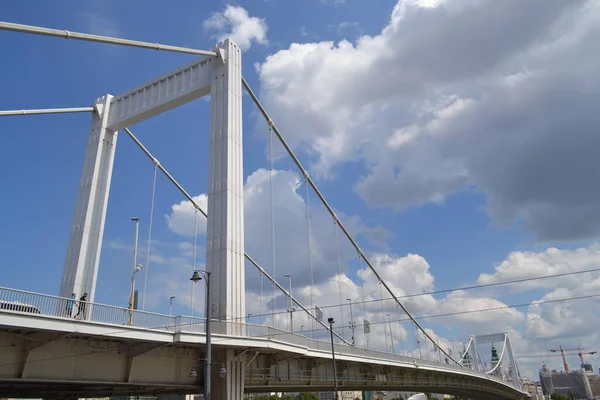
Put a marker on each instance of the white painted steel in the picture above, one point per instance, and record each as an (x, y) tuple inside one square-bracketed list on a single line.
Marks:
[(39, 311), (9, 113), (225, 224), (54, 306), (168, 91), (83, 254), (9, 26)]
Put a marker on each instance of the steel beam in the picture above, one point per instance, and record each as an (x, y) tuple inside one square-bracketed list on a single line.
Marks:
[(63, 33), (10, 113), (185, 84), (83, 254)]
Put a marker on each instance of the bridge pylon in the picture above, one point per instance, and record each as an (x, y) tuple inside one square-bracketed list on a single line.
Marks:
[(221, 77)]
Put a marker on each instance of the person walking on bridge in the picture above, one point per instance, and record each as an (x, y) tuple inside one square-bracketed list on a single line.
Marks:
[(70, 305), (81, 306)]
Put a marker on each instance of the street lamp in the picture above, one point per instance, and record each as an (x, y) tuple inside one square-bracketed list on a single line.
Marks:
[(208, 316), (301, 328), (352, 323), (248, 318), (171, 305), (195, 278), (335, 387), (291, 309), (391, 335), (136, 268)]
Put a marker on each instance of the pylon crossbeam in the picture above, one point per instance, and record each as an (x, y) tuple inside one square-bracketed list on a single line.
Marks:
[(168, 91)]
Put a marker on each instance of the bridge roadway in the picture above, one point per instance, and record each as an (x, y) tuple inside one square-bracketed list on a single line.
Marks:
[(43, 354)]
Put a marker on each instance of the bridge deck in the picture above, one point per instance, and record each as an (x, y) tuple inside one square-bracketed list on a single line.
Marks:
[(287, 361)]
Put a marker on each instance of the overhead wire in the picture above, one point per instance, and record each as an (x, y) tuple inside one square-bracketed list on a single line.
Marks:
[(521, 280)]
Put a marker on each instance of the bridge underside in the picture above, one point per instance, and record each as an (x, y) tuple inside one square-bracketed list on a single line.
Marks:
[(52, 364)]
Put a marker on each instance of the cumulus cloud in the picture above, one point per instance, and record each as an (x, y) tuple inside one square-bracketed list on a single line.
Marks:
[(291, 239), (552, 261), (496, 95), (235, 23), (406, 275)]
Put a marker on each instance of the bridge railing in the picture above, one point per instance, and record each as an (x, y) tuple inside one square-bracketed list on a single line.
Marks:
[(21, 301)]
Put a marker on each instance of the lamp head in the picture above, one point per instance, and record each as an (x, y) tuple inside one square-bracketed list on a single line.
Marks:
[(195, 277), (135, 219), (139, 267), (171, 298), (287, 275), (331, 320), (222, 371)]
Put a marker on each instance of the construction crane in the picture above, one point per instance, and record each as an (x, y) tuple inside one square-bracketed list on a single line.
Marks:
[(578, 351)]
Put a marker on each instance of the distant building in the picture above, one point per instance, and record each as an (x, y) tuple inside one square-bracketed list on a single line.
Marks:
[(575, 382), (594, 384), (533, 388)]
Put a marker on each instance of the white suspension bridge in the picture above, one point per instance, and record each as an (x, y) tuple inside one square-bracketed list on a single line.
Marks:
[(110, 350)]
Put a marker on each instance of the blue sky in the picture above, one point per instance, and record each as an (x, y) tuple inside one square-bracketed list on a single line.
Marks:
[(462, 211)]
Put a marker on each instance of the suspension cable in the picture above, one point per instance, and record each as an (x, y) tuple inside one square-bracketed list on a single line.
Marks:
[(362, 291), (201, 211), (401, 330), (149, 234), (339, 277), (382, 315), (194, 257), (262, 300), (328, 207), (272, 220)]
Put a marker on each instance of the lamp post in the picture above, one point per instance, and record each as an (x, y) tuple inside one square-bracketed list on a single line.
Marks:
[(391, 335), (291, 309), (208, 315), (352, 323), (171, 305), (136, 268), (335, 388), (301, 328), (248, 318)]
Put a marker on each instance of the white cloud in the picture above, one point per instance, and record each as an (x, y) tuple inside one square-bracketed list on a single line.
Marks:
[(446, 97), (236, 24), (533, 330), (182, 216), (552, 261)]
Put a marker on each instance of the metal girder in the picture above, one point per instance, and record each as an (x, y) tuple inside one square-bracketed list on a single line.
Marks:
[(178, 87), (492, 338)]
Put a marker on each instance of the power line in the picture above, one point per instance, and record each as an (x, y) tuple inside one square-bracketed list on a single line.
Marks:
[(488, 309), (521, 280)]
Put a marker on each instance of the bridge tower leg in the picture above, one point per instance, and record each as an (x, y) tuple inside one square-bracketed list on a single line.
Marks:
[(83, 253), (225, 226)]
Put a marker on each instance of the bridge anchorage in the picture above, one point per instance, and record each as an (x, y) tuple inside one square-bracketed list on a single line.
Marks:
[(121, 351)]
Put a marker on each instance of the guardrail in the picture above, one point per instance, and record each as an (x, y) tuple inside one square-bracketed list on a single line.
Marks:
[(35, 303), (23, 302)]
